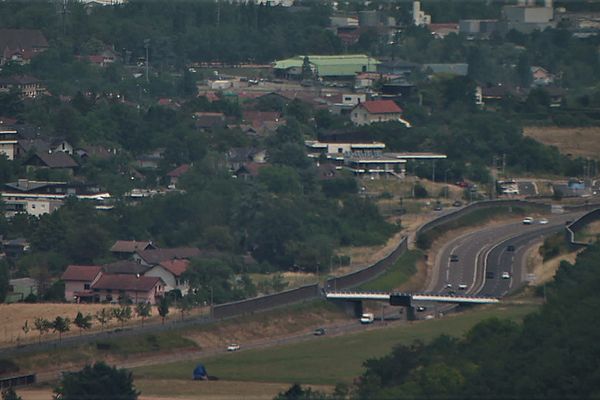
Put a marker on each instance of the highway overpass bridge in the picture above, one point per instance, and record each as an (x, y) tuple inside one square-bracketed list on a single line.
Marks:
[(355, 299)]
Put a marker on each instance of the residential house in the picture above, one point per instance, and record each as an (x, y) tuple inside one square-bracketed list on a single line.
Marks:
[(264, 122), (175, 174), (209, 120), (9, 145), (21, 45), (95, 152), (372, 111), (27, 86), (541, 77), (121, 287), (237, 156), (440, 31), (40, 197), (125, 267), (52, 160), (126, 248), (249, 170), (156, 256), (78, 280), (19, 289), (170, 272), (45, 145), (150, 160)]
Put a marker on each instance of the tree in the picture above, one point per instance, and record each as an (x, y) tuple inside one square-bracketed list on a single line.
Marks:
[(42, 325), (61, 325), (163, 308), (83, 322), (122, 314), (98, 381), (10, 394), (307, 72), (184, 305), (104, 316), (143, 310)]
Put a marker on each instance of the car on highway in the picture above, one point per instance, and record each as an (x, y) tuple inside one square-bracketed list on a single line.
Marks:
[(233, 347), (489, 275), (462, 287), (438, 207), (421, 308), (457, 203), (528, 221), (510, 247), (506, 275), (448, 286), (453, 258), (543, 221), (320, 332)]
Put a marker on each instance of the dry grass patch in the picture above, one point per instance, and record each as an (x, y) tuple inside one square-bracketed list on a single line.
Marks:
[(583, 141)]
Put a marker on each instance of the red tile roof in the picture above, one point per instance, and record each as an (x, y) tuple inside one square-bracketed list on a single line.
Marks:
[(381, 107), (176, 267), (177, 172), (82, 273), (126, 282)]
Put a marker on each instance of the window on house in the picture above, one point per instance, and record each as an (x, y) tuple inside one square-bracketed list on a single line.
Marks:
[(86, 286)]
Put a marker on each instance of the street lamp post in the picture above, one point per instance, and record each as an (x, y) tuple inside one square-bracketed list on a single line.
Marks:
[(147, 46)]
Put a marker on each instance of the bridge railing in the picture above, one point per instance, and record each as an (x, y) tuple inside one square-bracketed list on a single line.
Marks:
[(578, 225)]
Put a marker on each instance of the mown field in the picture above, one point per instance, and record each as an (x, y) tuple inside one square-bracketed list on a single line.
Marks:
[(577, 141), (326, 360)]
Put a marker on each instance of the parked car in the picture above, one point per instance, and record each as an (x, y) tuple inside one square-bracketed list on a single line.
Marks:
[(457, 203), (233, 347), (528, 221), (320, 332)]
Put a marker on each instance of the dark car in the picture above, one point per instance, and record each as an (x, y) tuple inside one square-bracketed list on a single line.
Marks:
[(320, 332), (489, 275), (510, 247), (453, 258), (457, 203), (421, 308)]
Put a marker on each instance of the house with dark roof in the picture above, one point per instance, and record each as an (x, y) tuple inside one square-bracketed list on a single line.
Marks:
[(249, 170), (170, 272), (126, 267), (78, 279), (372, 111), (126, 248), (209, 120), (56, 160), (236, 156), (21, 45), (120, 287), (152, 257)]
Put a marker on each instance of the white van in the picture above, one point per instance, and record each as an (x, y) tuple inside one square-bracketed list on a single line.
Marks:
[(367, 318)]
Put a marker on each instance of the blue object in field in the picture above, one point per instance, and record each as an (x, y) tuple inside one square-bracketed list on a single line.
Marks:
[(200, 372)]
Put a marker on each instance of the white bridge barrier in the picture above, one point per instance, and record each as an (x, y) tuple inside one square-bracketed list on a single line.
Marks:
[(383, 296)]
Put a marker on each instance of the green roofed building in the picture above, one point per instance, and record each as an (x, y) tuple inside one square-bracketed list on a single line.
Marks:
[(341, 66)]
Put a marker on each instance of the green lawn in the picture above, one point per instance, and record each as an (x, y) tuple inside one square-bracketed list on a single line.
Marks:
[(327, 360), (398, 274)]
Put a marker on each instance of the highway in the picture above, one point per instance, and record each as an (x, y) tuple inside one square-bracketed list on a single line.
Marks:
[(474, 263)]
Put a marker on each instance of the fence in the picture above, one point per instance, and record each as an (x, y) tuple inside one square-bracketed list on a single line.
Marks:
[(425, 228), (308, 292), (577, 225), (17, 381)]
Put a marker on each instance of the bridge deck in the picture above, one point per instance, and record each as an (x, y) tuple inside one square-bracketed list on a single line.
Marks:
[(383, 296)]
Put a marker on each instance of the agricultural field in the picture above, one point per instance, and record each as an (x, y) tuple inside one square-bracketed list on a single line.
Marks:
[(578, 142)]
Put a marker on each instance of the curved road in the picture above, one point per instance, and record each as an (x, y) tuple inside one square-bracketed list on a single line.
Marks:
[(475, 262)]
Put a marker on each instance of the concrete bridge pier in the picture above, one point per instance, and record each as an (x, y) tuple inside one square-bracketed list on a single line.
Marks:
[(353, 308)]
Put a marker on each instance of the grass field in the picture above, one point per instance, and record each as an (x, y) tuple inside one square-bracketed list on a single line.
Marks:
[(327, 360), (582, 141), (398, 274)]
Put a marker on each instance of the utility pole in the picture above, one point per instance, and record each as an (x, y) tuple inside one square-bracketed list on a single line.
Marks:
[(147, 46), (503, 165), (433, 172)]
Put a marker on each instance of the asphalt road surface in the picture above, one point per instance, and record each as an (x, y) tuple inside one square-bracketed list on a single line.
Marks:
[(462, 264)]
